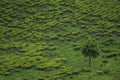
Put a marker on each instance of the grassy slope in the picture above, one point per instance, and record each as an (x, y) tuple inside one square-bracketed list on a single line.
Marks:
[(50, 30)]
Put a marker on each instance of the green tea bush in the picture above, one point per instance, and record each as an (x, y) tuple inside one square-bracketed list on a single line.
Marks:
[(77, 47), (86, 69), (99, 72), (2, 78), (111, 54), (106, 71)]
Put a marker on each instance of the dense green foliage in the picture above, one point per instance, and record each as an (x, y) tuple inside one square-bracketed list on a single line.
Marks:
[(90, 49), (42, 40)]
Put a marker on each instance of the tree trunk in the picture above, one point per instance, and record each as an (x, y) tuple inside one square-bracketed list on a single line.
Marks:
[(89, 60)]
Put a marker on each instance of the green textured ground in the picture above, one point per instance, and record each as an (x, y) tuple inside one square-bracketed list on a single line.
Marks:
[(42, 39)]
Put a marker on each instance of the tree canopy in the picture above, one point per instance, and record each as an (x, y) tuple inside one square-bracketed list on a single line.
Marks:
[(90, 49)]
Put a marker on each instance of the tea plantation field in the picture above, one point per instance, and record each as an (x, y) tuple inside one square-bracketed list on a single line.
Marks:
[(42, 39)]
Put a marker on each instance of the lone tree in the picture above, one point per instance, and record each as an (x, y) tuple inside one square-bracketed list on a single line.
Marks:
[(90, 49)]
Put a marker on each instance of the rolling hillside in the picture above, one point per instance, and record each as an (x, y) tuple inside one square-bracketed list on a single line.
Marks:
[(42, 39)]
